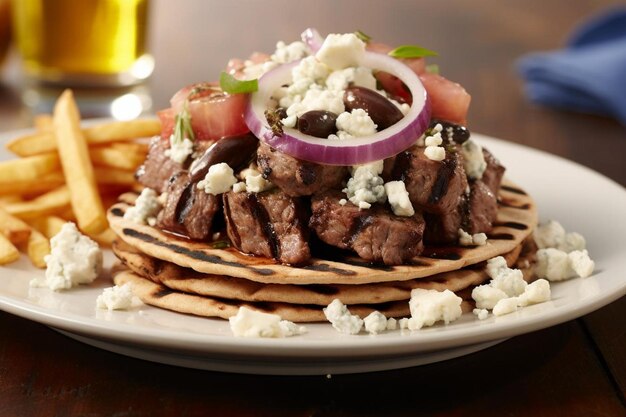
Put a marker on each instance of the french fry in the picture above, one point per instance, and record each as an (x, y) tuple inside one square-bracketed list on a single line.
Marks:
[(44, 123), (13, 228), (112, 176), (43, 184), (37, 247), (50, 203), (114, 157), (8, 252), (30, 168), (42, 142), (105, 238), (10, 198), (50, 226), (77, 168)]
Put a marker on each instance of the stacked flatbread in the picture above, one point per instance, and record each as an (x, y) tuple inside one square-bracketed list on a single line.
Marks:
[(193, 277)]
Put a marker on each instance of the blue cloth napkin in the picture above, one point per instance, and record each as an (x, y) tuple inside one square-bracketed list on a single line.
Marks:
[(589, 75)]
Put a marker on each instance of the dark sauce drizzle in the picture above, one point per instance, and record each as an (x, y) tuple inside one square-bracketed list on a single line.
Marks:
[(513, 189), (440, 188)]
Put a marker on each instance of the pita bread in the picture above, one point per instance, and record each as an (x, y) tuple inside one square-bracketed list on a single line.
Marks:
[(517, 217), (160, 296), (189, 281)]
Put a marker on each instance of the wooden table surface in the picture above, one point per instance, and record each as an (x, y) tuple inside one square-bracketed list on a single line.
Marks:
[(574, 369)]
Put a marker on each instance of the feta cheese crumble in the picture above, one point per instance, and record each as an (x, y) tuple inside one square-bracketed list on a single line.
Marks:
[(557, 265), (398, 198), (356, 123), (74, 259), (218, 180), (146, 208), (366, 187), (481, 313), (473, 159), (553, 235), (434, 151), (486, 296), (375, 322), (341, 318), (341, 51), (478, 239), (116, 298), (535, 293), (255, 183), (252, 323), (179, 151), (430, 306), (505, 306)]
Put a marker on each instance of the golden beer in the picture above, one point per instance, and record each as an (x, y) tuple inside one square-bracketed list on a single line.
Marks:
[(82, 41)]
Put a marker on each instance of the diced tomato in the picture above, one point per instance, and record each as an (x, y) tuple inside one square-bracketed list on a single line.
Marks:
[(214, 114), (235, 66), (394, 87), (448, 99)]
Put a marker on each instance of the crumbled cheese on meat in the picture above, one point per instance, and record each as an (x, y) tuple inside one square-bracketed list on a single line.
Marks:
[(398, 198), (356, 123), (119, 297), (473, 159), (74, 259), (341, 51), (365, 187), (146, 208), (251, 323), (430, 306), (218, 180), (255, 183), (341, 318), (179, 151), (375, 322), (435, 153), (432, 140)]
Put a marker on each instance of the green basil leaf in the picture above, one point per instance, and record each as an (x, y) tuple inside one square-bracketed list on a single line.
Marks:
[(411, 51), (432, 69), (364, 37), (231, 85)]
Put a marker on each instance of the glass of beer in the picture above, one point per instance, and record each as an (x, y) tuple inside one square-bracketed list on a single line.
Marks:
[(83, 43)]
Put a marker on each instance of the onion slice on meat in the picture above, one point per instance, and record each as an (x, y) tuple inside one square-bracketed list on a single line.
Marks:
[(360, 150)]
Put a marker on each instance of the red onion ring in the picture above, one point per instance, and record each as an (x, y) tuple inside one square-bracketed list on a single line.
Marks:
[(355, 151)]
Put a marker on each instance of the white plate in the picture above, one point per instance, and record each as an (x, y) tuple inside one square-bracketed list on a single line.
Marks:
[(581, 199)]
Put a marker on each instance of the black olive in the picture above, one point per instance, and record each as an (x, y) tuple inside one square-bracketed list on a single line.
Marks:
[(318, 123), (457, 133), (236, 151), (382, 111)]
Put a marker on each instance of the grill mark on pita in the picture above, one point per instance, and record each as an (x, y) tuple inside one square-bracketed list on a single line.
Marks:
[(328, 268), (118, 212), (322, 289), (194, 254), (162, 292), (512, 225), (266, 224), (513, 190), (505, 202), (442, 252), (440, 188), (500, 236)]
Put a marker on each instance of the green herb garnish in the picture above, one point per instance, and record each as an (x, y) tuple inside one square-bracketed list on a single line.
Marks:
[(232, 85), (182, 126), (411, 51), (364, 37), (432, 69)]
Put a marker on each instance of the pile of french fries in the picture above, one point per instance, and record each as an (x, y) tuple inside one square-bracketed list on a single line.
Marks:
[(66, 173)]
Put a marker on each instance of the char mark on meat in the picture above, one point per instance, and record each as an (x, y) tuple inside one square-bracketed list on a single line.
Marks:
[(296, 177), (376, 234), (270, 224), (188, 210)]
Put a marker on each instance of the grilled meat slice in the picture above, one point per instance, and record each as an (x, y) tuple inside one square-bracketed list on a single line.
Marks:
[(433, 186), (375, 234), (474, 214), (296, 177), (492, 177), (157, 168), (188, 210), (270, 224)]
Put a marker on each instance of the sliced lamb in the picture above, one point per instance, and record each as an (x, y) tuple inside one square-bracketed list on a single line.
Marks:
[(269, 224), (492, 177), (433, 186), (375, 234), (188, 210), (296, 177)]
